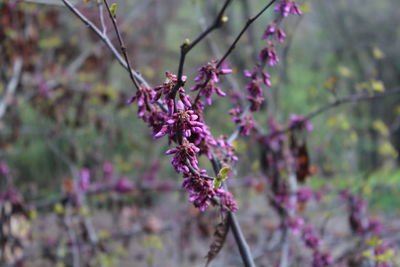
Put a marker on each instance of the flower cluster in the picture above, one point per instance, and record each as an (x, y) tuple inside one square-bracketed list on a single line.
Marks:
[(359, 221), (268, 54), (254, 88), (4, 169), (247, 125), (184, 154), (201, 192), (207, 79), (313, 241), (108, 170), (235, 113), (143, 97), (296, 224), (183, 123), (167, 90), (123, 185), (272, 31), (245, 121), (184, 120), (286, 7)]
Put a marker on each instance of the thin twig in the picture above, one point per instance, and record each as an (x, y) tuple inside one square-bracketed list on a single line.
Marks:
[(186, 47), (244, 29), (101, 15), (122, 45), (11, 86), (336, 103)]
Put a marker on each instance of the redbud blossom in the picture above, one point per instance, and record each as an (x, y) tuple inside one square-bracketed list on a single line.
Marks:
[(182, 154), (286, 7), (207, 79), (268, 54)]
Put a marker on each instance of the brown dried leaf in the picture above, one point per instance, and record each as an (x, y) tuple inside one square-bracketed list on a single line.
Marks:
[(303, 162), (219, 238)]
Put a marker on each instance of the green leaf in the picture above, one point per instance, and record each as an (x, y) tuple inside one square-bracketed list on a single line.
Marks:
[(377, 86), (113, 9), (223, 173)]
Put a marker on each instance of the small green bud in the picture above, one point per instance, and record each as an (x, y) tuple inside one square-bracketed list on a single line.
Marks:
[(113, 9), (221, 176)]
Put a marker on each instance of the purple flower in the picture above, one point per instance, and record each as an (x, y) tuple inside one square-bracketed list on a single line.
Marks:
[(182, 154), (247, 125), (185, 121), (286, 7), (207, 79), (254, 88), (4, 169), (321, 259), (296, 224), (310, 237), (375, 226), (123, 185), (108, 169), (227, 200), (280, 36), (269, 31), (200, 190), (235, 113), (268, 54), (143, 97), (84, 180), (298, 121), (228, 152), (204, 140), (11, 195), (357, 218), (266, 78), (167, 90), (255, 102), (304, 194)]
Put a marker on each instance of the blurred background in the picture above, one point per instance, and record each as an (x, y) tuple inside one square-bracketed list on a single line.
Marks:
[(67, 117)]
